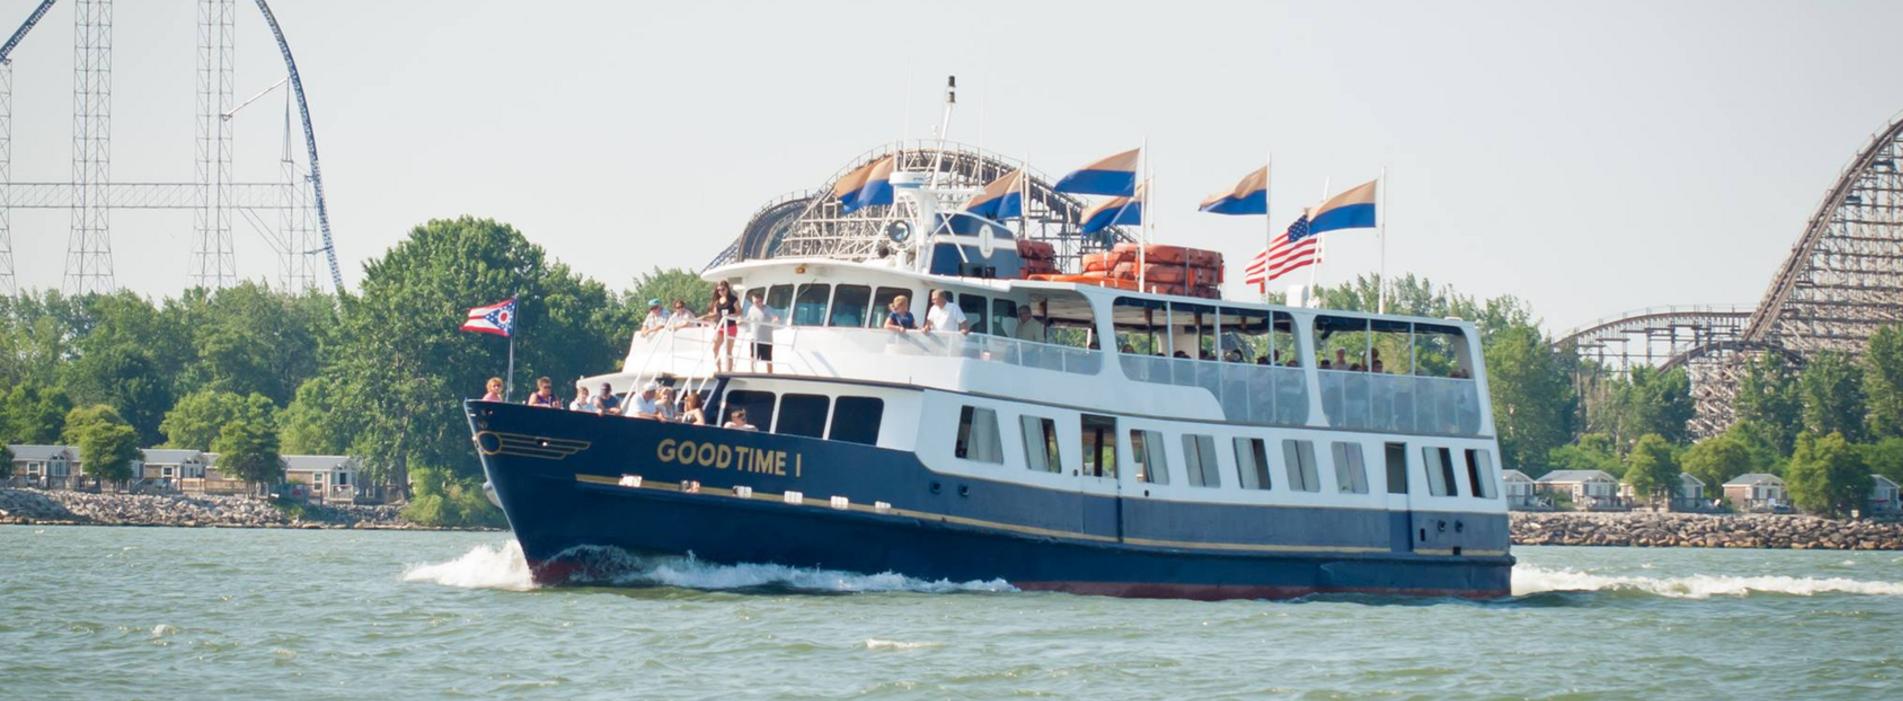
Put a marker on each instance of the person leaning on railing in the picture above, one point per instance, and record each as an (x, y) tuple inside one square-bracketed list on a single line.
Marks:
[(945, 315), (900, 319), (656, 318)]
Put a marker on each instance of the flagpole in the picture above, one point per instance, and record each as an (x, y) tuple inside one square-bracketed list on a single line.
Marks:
[(1321, 248), (1381, 222), (508, 384), (1143, 227), (1268, 220)]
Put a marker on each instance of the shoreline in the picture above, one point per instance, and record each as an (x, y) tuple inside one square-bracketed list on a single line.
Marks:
[(1646, 529), (38, 507)]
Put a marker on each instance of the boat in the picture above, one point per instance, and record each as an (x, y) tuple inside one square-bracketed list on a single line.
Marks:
[(1133, 443)]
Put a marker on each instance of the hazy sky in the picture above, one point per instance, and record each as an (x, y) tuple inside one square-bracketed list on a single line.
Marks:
[(1588, 157)]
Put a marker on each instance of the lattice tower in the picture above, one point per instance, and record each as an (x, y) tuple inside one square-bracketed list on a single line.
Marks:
[(89, 246), (214, 260)]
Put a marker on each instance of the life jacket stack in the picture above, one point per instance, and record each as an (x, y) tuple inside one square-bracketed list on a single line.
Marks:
[(1038, 258), (1176, 270)]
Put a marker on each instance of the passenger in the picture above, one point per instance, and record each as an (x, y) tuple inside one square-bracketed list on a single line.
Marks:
[(737, 419), (1262, 360), (760, 322), (544, 395), (1376, 368), (691, 411), (582, 402), (665, 408), (656, 318), (1180, 354), (681, 317), (606, 403), (945, 315), (1030, 328), (900, 319), (494, 387), (1235, 356), (1325, 365), (724, 311), (1341, 358), (643, 406), (1127, 349)]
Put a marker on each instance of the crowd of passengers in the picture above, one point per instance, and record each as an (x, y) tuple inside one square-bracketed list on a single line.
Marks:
[(653, 402)]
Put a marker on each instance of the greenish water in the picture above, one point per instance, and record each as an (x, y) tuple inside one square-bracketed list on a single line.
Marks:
[(201, 613)]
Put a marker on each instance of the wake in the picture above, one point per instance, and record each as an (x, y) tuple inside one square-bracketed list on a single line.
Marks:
[(504, 568), (1530, 579)]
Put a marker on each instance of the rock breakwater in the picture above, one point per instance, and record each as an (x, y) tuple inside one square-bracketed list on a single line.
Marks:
[(35, 506), (1648, 529)]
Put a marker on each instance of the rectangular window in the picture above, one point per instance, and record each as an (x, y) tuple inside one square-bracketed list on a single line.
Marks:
[(1040, 444), (779, 298), (1004, 317), (1153, 465), (849, 306), (809, 305), (882, 303), (759, 406), (1300, 457), (978, 436), (1439, 463), (974, 308), (856, 419), (1397, 468), (1100, 445), (1480, 474), (1199, 461), (1351, 477), (803, 415), (1252, 463)]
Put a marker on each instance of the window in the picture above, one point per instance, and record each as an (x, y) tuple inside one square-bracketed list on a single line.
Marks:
[(1300, 458), (974, 308), (1004, 317), (1440, 471), (802, 415), (1153, 465), (1199, 461), (1480, 474), (759, 406), (779, 298), (1397, 468), (882, 302), (849, 306), (1100, 445), (1252, 463), (343, 479), (1351, 477), (856, 419), (809, 306), (1040, 444), (978, 436)]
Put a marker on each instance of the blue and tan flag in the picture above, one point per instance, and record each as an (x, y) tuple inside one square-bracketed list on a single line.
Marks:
[(1352, 209), (869, 184), (1002, 199), (1250, 196), (1116, 211), (1116, 175)]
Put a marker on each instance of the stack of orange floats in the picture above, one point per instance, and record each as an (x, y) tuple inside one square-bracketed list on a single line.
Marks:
[(1039, 258), (1177, 270)]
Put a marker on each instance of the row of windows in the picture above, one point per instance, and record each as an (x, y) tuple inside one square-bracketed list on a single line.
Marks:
[(853, 419), (978, 440)]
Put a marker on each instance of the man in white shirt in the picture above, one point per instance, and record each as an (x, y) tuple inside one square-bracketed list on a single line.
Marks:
[(760, 321), (656, 319), (1030, 328), (644, 406), (945, 315)]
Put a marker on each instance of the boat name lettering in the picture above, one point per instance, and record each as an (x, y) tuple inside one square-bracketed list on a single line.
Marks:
[(721, 456)]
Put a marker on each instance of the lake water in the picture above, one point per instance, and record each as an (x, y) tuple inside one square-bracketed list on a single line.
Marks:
[(91, 613)]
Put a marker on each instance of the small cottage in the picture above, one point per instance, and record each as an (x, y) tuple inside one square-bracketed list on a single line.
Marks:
[(1757, 491), (44, 466), (1518, 490), (1883, 496), (164, 467), (1586, 489), (329, 478)]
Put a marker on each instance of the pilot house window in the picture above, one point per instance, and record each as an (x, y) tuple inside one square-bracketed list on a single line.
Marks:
[(978, 436), (856, 419)]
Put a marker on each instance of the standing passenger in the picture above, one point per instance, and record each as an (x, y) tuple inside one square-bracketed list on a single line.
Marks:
[(544, 395), (1030, 328), (656, 318), (495, 390), (760, 321), (692, 413), (724, 311), (606, 403), (901, 317), (945, 315)]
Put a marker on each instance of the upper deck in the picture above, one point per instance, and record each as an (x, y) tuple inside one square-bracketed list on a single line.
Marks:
[(1170, 356)]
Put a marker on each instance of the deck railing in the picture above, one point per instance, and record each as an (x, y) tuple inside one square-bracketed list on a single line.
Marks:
[(1400, 403), (1257, 394)]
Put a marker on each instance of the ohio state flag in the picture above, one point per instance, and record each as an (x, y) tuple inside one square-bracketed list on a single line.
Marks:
[(498, 318)]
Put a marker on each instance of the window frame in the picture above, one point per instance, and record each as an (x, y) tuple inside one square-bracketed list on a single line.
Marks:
[(1146, 444), (1051, 451), (968, 427), (865, 306), (1257, 470), (1480, 474), (1351, 467), (1298, 455), (1199, 452)]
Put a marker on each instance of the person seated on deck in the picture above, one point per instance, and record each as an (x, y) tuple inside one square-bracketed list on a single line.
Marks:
[(642, 406), (1180, 354), (681, 317), (494, 387), (1030, 328), (656, 318), (901, 317), (1325, 365), (737, 419), (1262, 360), (606, 403), (544, 395), (945, 315), (664, 406), (691, 411), (582, 402)]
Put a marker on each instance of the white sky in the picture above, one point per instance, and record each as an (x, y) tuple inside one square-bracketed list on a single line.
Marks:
[(1588, 157)]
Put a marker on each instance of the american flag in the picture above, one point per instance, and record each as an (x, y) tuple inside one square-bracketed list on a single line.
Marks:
[(1299, 248)]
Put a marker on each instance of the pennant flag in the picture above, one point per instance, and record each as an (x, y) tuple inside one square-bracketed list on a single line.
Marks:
[(498, 318), (869, 184), (1296, 249), (1352, 209), (1116, 211), (1002, 199), (1116, 175), (1250, 196)]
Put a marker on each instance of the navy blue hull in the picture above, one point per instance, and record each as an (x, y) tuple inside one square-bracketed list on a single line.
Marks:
[(565, 481)]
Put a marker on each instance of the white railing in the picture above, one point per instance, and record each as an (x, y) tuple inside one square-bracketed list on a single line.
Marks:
[(1257, 394), (1400, 403), (793, 347)]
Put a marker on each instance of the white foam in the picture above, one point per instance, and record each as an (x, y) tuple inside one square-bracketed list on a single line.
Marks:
[(689, 573), (483, 567), (877, 644), (1530, 579)]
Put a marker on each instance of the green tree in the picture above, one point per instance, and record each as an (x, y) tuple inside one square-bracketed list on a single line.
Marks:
[(1582, 456), (1644, 401), (1883, 381), (107, 444), (1651, 467), (1885, 457), (31, 412), (128, 358), (669, 285), (1759, 440), (1768, 395), (248, 445), (250, 339), (196, 420), (443, 499), (1532, 395), (1827, 475), (1718, 459), (6, 461), (313, 423), (1831, 387)]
